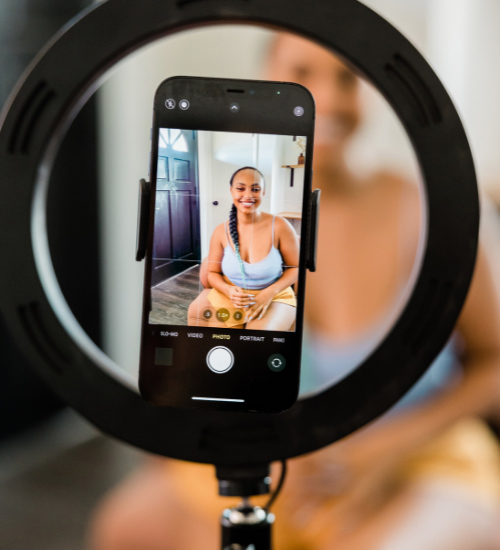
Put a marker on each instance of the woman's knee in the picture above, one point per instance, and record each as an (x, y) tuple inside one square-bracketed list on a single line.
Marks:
[(135, 515), (147, 513), (114, 525), (444, 516), (110, 528), (196, 309), (280, 317)]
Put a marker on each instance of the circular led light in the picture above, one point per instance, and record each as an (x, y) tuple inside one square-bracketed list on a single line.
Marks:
[(32, 127)]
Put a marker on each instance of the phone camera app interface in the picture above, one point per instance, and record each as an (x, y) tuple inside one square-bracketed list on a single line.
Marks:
[(227, 224)]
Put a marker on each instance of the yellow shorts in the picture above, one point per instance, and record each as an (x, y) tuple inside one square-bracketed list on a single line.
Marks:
[(221, 301)]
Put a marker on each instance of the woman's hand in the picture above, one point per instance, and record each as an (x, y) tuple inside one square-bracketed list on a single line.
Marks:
[(260, 304), (239, 297)]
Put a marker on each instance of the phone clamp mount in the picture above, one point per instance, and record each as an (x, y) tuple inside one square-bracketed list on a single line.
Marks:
[(33, 124)]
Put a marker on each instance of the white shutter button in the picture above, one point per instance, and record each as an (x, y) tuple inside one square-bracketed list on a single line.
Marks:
[(220, 359)]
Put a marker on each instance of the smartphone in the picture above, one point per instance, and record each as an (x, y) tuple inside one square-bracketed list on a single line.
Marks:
[(226, 231)]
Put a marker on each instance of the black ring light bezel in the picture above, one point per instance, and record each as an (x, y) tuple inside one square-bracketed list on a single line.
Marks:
[(33, 125)]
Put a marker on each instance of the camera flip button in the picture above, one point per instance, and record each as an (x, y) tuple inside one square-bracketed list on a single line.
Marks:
[(220, 359), (276, 362)]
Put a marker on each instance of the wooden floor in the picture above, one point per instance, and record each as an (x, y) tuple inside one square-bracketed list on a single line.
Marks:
[(171, 299)]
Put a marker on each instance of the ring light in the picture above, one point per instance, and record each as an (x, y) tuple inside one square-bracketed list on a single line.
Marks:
[(32, 127)]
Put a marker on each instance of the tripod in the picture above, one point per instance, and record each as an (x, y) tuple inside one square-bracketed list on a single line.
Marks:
[(247, 527)]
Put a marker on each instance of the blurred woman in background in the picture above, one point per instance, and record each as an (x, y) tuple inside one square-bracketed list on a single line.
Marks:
[(423, 476)]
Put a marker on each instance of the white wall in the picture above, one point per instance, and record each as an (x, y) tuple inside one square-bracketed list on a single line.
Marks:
[(464, 46), (285, 198), (205, 182)]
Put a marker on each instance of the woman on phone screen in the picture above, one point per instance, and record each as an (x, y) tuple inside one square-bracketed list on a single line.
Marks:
[(252, 264)]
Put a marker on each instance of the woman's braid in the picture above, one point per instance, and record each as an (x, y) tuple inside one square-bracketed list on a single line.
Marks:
[(233, 230)]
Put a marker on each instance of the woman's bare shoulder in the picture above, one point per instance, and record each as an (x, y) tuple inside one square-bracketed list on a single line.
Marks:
[(283, 226), (280, 221), (386, 180), (390, 187)]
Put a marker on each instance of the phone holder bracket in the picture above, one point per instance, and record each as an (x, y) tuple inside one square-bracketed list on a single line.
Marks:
[(143, 219), (312, 244)]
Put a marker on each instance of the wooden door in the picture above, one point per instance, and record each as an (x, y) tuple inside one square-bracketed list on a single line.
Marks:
[(177, 218)]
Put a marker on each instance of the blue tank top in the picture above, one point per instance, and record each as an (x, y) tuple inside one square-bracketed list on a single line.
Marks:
[(325, 363), (258, 275)]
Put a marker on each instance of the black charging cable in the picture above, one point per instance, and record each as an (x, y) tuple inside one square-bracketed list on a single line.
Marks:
[(276, 493)]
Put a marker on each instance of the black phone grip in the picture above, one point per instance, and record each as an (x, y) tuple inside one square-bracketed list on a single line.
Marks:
[(143, 219), (312, 233)]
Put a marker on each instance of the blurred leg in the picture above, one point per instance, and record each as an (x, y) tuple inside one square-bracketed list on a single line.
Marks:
[(433, 516), (196, 309), (443, 516), (278, 317), (144, 514)]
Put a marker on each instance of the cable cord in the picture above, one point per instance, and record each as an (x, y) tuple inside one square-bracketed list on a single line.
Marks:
[(276, 493)]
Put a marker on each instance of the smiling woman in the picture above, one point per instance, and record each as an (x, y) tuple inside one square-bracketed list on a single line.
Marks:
[(252, 264)]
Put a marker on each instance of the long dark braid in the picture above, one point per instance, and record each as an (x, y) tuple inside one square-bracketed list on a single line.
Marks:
[(233, 230), (233, 223)]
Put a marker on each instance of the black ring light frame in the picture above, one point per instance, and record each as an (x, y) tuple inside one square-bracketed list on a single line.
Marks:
[(33, 125)]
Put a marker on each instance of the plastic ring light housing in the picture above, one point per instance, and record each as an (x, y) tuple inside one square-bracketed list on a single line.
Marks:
[(32, 127)]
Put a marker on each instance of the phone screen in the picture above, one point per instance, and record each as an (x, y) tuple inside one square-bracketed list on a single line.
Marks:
[(220, 217), (225, 272)]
